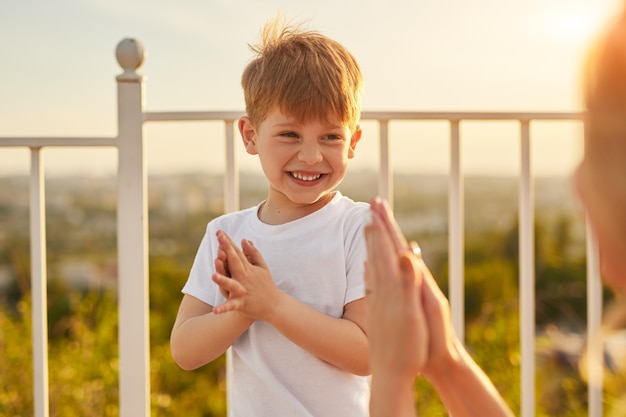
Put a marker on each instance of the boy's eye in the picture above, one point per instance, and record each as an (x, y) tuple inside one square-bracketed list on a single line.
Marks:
[(332, 137), (289, 134)]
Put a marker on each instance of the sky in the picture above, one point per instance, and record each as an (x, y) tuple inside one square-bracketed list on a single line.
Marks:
[(58, 74)]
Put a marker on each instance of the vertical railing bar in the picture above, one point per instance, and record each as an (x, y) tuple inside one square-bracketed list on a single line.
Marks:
[(132, 237), (39, 283), (527, 276), (594, 318), (231, 202), (385, 173), (231, 178), (456, 256)]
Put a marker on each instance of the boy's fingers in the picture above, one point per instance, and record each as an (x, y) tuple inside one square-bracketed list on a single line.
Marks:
[(220, 266), (225, 307), (227, 285), (235, 258), (252, 254)]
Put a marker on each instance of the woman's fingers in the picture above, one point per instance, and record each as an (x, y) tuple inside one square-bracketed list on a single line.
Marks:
[(381, 255), (393, 229), (412, 280)]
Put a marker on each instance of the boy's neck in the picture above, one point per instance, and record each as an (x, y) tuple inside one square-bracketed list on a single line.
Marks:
[(273, 213)]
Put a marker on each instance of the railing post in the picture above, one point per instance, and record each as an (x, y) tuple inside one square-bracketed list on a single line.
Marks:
[(132, 234), (39, 282), (595, 342), (231, 177), (385, 174), (527, 275), (456, 214)]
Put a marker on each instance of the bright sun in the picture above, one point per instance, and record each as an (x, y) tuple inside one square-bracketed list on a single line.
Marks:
[(576, 22)]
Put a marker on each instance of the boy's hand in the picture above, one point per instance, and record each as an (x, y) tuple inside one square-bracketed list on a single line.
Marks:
[(221, 267), (244, 280)]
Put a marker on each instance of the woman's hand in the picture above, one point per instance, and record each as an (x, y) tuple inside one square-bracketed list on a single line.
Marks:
[(408, 315), (410, 332), (396, 323)]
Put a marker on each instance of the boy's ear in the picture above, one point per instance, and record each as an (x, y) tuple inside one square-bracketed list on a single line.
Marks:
[(248, 134), (356, 137)]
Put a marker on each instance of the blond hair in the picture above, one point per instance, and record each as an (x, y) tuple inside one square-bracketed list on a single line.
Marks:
[(306, 74)]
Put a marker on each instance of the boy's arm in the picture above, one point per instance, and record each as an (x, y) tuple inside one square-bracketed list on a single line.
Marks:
[(199, 336), (342, 342)]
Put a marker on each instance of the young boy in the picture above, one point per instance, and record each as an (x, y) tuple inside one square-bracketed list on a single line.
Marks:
[(290, 301)]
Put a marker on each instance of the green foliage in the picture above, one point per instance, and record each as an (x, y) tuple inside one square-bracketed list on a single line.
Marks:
[(82, 359), (427, 402), (490, 285), (560, 388), (493, 341), (16, 365)]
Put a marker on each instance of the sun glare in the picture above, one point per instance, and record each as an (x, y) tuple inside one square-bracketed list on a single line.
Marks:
[(576, 24)]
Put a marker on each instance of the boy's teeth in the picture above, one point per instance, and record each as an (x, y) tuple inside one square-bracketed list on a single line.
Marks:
[(305, 177)]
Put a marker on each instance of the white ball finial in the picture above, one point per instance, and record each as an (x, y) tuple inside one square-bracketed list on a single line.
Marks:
[(130, 55)]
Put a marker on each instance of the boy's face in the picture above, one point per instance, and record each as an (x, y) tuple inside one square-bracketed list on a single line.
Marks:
[(302, 161)]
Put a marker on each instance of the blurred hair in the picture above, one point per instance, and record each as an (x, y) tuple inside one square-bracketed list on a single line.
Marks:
[(605, 72), (604, 91), (307, 75), (603, 177)]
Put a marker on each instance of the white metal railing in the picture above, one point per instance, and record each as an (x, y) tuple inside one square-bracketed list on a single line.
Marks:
[(133, 244)]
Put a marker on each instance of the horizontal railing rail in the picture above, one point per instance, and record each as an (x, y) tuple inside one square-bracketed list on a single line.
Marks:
[(133, 246)]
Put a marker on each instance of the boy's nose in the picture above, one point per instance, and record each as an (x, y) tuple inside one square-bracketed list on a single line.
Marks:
[(310, 154)]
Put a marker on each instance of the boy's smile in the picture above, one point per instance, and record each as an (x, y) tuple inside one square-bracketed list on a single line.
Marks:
[(303, 162), (304, 177)]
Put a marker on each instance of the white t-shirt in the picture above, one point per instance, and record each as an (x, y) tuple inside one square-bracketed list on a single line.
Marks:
[(319, 260)]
